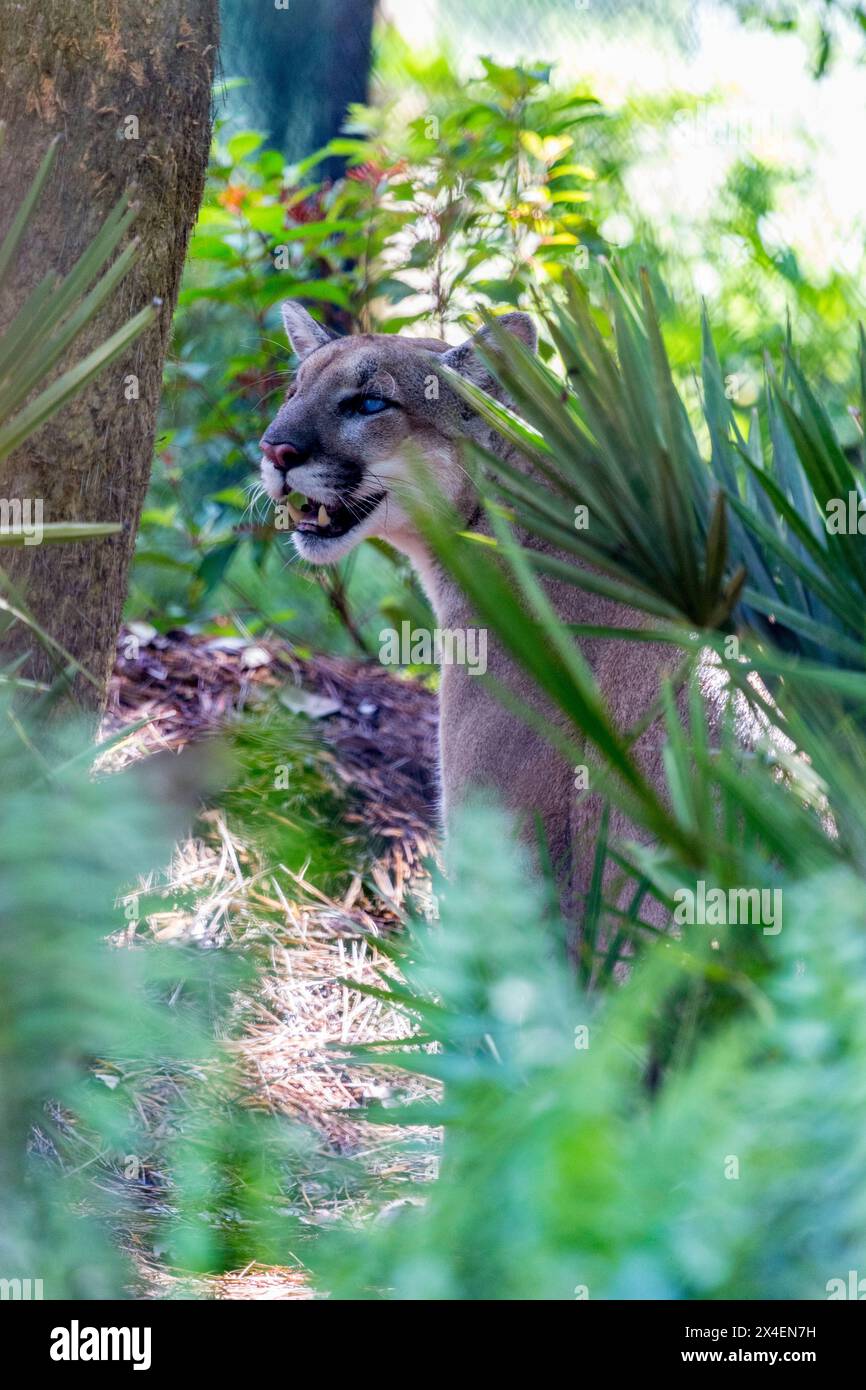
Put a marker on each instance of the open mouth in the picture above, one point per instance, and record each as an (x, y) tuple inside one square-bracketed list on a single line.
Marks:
[(314, 518)]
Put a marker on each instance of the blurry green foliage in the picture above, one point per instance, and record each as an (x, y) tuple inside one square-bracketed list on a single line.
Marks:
[(80, 1019), (569, 1171)]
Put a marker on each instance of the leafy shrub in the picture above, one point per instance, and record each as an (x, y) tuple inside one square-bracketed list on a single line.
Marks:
[(565, 1173), (68, 845), (468, 202)]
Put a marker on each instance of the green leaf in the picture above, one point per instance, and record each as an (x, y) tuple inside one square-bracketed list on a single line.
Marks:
[(61, 532), (245, 143), (14, 432)]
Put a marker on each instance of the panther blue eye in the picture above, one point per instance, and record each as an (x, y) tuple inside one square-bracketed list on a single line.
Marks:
[(371, 405)]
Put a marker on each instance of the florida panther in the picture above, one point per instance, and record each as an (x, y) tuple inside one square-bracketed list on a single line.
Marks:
[(339, 440)]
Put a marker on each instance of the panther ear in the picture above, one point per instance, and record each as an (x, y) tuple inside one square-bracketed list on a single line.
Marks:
[(304, 334), (465, 360)]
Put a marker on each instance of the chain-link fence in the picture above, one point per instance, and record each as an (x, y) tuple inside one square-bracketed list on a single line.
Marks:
[(510, 29)]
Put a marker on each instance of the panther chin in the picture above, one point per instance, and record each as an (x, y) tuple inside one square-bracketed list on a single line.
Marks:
[(323, 532)]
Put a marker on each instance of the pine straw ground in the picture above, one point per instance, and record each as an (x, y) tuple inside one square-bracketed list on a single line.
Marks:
[(376, 736)]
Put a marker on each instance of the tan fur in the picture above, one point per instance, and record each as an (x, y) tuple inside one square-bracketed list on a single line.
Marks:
[(483, 745)]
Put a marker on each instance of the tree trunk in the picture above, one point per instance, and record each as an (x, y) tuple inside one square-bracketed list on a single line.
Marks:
[(306, 62), (127, 85)]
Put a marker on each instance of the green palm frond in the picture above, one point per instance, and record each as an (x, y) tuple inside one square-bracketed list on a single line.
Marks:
[(731, 545), (44, 329), (738, 537)]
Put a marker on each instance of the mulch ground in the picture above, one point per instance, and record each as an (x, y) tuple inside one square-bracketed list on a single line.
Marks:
[(381, 730), (378, 734)]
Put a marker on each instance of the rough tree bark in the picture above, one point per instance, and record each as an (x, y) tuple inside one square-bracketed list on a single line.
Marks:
[(127, 85)]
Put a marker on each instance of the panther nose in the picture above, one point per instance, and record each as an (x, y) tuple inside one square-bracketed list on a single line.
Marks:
[(282, 456)]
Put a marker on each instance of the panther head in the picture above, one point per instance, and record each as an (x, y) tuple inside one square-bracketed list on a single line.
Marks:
[(357, 411)]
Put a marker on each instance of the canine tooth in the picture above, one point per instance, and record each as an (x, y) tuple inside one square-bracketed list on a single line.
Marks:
[(324, 519), (293, 511)]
